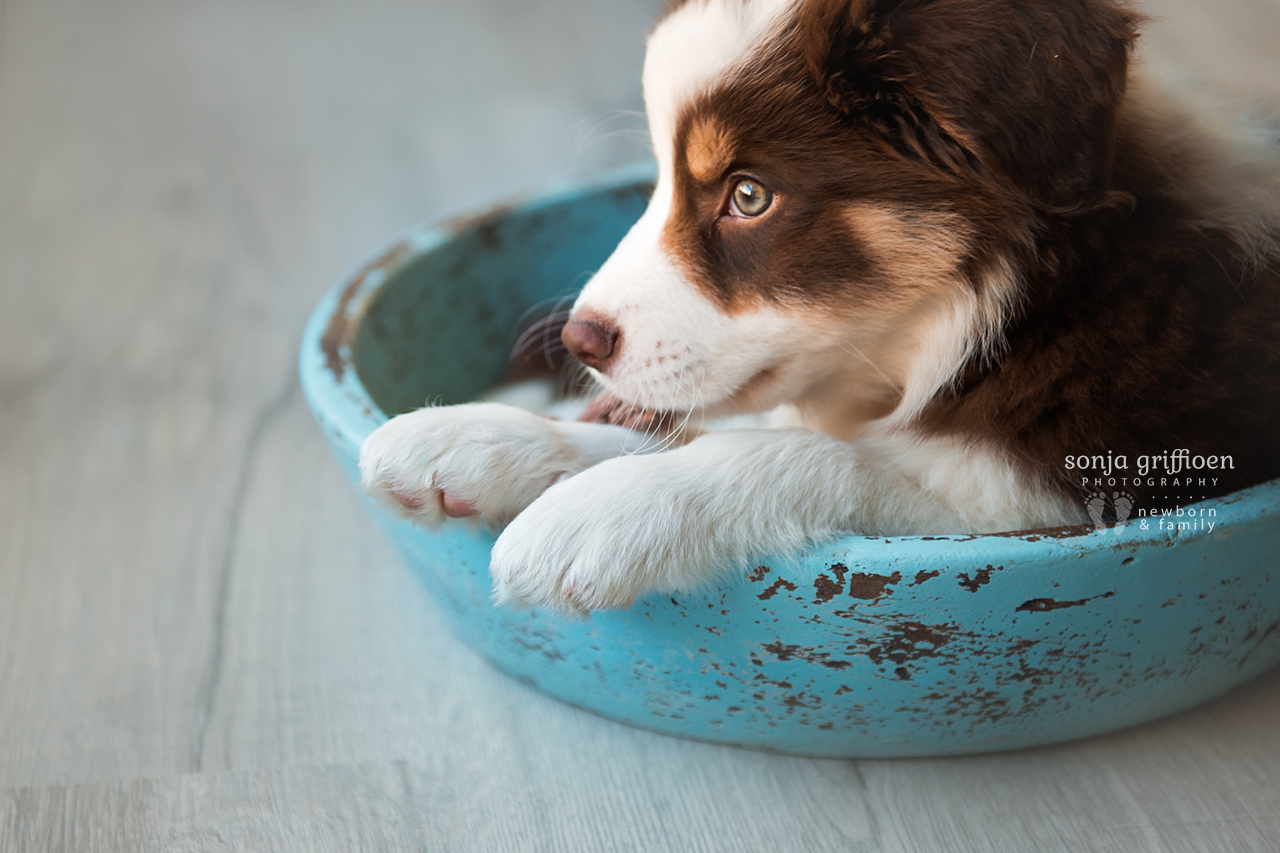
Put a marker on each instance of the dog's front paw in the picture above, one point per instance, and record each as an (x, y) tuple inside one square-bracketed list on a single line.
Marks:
[(598, 540), (482, 459)]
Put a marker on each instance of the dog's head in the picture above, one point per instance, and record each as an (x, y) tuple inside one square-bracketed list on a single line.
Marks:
[(844, 190)]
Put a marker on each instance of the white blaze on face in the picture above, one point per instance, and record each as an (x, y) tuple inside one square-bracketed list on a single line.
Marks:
[(694, 48), (679, 350)]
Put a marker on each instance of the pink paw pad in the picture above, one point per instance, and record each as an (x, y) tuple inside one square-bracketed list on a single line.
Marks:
[(410, 498), (456, 507)]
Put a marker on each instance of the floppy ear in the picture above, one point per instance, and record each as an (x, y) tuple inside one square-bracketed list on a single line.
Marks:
[(1026, 91)]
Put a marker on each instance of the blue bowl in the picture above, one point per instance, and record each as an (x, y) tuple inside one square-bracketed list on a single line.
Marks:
[(862, 647)]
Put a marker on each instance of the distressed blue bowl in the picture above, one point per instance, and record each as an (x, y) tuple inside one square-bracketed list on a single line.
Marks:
[(861, 647)]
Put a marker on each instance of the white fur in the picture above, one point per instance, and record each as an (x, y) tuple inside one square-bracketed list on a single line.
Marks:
[(666, 522), (679, 350), (595, 526), (497, 458), (696, 46)]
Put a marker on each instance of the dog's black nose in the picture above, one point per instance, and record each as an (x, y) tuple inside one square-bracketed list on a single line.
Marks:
[(592, 341)]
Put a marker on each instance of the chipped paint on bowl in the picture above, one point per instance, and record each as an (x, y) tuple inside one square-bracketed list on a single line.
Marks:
[(864, 646)]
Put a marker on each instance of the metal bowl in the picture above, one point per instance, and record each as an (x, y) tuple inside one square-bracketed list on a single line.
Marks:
[(865, 646)]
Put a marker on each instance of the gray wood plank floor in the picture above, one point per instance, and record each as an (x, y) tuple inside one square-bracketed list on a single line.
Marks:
[(204, 644)]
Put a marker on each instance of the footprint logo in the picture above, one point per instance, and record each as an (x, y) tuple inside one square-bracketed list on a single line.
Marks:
[(1123, 502), (1096, 504), (1103, 508)]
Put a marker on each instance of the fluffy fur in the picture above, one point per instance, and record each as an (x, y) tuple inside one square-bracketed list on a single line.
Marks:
[(988, 251)]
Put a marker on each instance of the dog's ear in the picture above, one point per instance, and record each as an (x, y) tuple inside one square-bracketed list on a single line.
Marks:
[(1026, 91)]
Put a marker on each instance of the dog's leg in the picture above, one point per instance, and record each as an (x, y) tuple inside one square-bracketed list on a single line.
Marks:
[(633, 525), (480, 459)]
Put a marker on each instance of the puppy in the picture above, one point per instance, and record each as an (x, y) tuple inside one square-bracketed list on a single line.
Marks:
[(954, 249)]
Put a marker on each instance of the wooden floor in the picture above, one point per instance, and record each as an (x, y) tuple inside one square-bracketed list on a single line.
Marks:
[(205, 645)]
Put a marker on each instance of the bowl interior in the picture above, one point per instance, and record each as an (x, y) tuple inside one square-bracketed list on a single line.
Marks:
[(441, 326)]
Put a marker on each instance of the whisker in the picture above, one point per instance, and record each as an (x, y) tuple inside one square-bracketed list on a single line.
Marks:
[(549, 343), (541, 337), (541, 327), (652, 432), (588, 129), (677, 434), (874, 366), (573, 380), (538, 308)]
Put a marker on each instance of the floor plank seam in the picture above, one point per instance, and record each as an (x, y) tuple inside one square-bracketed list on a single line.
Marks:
[(207, 696)]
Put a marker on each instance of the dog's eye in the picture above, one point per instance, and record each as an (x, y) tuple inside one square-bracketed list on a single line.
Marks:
[(751, 199)]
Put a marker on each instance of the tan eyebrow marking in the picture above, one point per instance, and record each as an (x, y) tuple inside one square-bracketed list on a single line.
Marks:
[(708, 149), (919, 247)]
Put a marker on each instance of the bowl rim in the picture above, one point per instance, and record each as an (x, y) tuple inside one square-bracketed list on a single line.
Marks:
[(348, 414)]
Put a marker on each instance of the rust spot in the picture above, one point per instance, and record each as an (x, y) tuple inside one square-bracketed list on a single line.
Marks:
[(980, 578), (827, 589), (487, 232), (982, 706), (336, 334), (1266, 635), (1036, 534), (485, 225), (758, 575), (1043, 605), (784, 652), (551, 654), (907, 641), (869, 587), (773, 590), (921, 577)]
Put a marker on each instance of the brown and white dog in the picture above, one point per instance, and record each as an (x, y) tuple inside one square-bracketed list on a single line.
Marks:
[(950, 242)]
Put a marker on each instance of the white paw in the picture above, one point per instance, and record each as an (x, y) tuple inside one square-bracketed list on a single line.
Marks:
[(598, 540), (482, 459)]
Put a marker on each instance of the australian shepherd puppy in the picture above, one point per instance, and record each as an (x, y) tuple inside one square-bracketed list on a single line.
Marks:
[(950, 244)]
